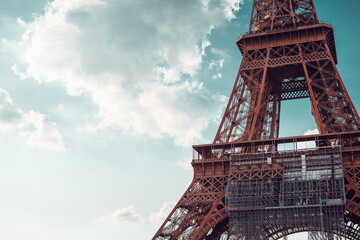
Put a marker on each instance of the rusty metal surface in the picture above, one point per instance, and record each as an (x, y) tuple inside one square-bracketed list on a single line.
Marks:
[(287, 54)]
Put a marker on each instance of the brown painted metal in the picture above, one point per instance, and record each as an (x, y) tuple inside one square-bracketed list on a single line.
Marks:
[(287, 54), (269, 15)]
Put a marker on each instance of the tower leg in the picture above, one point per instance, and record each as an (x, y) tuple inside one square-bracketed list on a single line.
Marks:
[(250, 114), (332, 107), (199, 210)]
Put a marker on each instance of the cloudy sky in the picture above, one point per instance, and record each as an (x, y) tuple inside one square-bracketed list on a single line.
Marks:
[(101, 100)]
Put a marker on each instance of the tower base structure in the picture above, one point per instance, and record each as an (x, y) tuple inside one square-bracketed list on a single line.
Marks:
[(271, 191), (251, 184), (309, 169)]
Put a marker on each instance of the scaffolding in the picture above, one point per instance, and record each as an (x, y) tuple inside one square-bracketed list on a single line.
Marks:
[(270, 193)]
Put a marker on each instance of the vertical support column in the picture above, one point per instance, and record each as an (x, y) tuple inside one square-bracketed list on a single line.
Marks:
[(314, 10), (260, 97), (252, 16), (234, 120), (238, 86), (292, 13), (314, 108), (275, 115), (343, 87), (331, 105), (273, 15)]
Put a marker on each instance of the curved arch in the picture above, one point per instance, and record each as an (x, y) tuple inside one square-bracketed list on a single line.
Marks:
[(350, 231)]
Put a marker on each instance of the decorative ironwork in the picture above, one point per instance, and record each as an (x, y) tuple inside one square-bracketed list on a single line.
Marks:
[(287, 54)]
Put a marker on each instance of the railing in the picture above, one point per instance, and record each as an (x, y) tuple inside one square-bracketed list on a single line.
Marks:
[(281, 29), (212, 152)]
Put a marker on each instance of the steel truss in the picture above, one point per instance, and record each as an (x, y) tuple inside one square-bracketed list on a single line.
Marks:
[(253, 110), (287, 54), (283, 190), (270, 15), (201, 212)]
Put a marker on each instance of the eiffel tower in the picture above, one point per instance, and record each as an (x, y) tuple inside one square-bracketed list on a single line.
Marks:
[(251, 184)]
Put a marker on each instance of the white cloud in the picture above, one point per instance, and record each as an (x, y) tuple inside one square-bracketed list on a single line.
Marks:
[(217, 76), (230, 7), (10, 117), (124, 215), (169, 75), (186, 163), (312, 132), (36, 128), (205, 4), (308, 144), (164, 211), (137, 61), (216, 64)]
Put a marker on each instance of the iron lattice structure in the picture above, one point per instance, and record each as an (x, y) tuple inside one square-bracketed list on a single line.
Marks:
[(287, 54), (284, 190)]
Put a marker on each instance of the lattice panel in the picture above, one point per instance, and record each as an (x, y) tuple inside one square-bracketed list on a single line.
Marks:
[(278, 64), (295, 95), (316, 56), (205, 190), (286, 60), (270, 15), (254, 64)]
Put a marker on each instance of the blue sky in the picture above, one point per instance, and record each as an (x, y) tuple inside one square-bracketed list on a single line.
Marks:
[(101, 100)]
